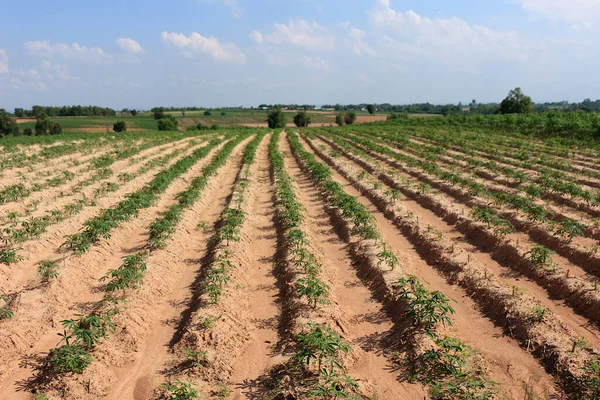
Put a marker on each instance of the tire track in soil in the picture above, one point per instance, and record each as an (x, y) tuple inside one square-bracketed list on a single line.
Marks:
[(259, 354), (164, 302), (79, 289), (509, 365), (578, 323), (368, 324)]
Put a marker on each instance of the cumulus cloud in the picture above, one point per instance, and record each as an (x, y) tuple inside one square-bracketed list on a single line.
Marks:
[(196, 44), (315, 63), (3, 61), (300, 33), (57, 73), (450, 40), (256, 36), (129, 45), (580, 13), (357, 41), (43, 48)]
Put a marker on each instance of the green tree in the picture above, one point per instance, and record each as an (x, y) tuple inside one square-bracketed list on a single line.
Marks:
[(168, 123), (337, 107), (158, 113), (276, 118), (371, 109), (44, 126), (349, 117), (19, 112), (516, 103), (207, 113), (302, 119), (120, 126), (8, 126), (339, 119), (134, 113)]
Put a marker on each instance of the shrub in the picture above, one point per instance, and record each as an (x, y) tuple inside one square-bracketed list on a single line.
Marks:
[(276, 118), (207, 113), (44, 126), (8, 126), (134, 113), (223, 113), (168, 123), (120, 126), (214, 127), (349, 117), (339, 119), (28, 132), (371, 109), (301, 119)]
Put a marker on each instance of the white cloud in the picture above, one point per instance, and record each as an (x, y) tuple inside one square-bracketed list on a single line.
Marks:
[(343, 24), (69, 51), (3, 61), (315, 63), (233, 6), (57, 73), (358, 43), (409, 36), (580, 13), (256, 36), (301, 33), (129, 45), (195, 44)]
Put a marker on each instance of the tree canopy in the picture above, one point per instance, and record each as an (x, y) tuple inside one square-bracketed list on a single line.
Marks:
[(516, 103)]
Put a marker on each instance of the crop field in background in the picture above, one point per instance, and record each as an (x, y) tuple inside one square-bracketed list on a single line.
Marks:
[(371, 261), (145, 121)]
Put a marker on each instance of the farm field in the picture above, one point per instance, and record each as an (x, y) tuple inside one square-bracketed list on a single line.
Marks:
[(229, 118), (374, 261)]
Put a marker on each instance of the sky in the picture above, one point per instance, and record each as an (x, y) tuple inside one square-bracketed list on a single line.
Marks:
[(210, 53)]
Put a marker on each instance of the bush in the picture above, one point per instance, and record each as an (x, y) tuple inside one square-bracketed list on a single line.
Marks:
[(301, 119), (276, 118), (44, 126), (223, 113), (8, 126), (168, 123), (371, 109), (28, 132), (214, 127), (134, 113), (349, 117), (120, 126), (207, 113), (339, 119)]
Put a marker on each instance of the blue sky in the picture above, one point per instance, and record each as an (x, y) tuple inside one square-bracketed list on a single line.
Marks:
[(139, 54)]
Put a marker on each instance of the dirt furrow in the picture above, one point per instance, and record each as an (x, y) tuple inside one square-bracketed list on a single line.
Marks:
[(77, 291), (15, 276), (579, 324), (366, 324), (259, 353), (509, 365)]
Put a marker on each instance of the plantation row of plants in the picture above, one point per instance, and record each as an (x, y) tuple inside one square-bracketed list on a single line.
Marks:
[(214, 284), (82, 334), (545, 183), (533, 259), (575, 381), (562, 227), (526, 157), (32, 228), (317, 363), (449, 367)]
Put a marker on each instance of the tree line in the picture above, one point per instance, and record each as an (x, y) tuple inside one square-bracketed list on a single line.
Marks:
[(65, 111)]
